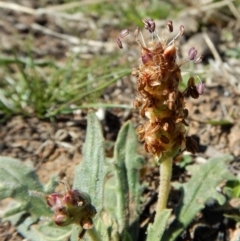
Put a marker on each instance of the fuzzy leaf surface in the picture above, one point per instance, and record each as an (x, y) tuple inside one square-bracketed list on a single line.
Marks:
[(200, 188), (43, 232), (123, 195), (156, 230), (16, 179), (90, 172)]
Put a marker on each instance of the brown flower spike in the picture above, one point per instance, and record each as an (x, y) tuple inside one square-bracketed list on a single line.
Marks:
[(159, 98)]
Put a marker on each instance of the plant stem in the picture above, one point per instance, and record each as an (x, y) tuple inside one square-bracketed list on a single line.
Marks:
[(94, 235), (165, 181)]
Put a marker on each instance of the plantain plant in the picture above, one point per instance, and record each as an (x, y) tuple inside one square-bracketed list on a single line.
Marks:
[(108, 185), (112, 183), (104, 202)]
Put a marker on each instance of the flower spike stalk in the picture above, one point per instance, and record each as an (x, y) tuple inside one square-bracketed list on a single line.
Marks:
[(162, 103)]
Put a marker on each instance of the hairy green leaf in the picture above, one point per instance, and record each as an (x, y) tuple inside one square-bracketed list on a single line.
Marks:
[(156, 230), (118, 214), (232, 188), (90, 173), (201, 187), (16, 180), (43, 232), (123, 194)]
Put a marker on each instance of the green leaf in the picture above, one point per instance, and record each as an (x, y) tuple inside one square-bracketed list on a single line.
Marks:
[(16, 179), (186, 159), (123, 194), (107, 228), (126, 236), (90, 173), (156, 230), (232, 188), (43, 232), (201, 187)]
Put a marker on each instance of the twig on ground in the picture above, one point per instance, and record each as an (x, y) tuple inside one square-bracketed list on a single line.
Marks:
[(94, 45), (208, 7), (47, 31), (70, 5), (17, 7), (54, 11), (48, 10), (234, 11), (212, 48), (228, 77)]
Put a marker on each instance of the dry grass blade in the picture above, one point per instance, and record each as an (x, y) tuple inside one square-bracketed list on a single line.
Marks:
[(210, 6), (216, 55), (107, 46), (17, 7), (48, 10), (212, 48), (47, 31), (234, 11), (70, 5)]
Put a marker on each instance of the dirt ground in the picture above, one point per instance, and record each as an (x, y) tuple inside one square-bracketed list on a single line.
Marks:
[(55, 146)]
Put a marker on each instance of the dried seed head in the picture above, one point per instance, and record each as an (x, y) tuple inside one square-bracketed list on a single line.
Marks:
[(181, 32), (200, 88), (135, 72), (74, 198), (149, 24), (191, 145), (54, 201), (152, 26), (119, 42), (181, 28), (164, 139), (184, 122), (186, 92), (194, 93), (137, 103), (198, 60), (146, 57), (124, 33), (185, 113), (191, 90), (159, 99), (191, 82), (141, 132), (146, 23), (62, 218), (192, 53), (170, 55), (87, 223), (136, 32), (170, 26)]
